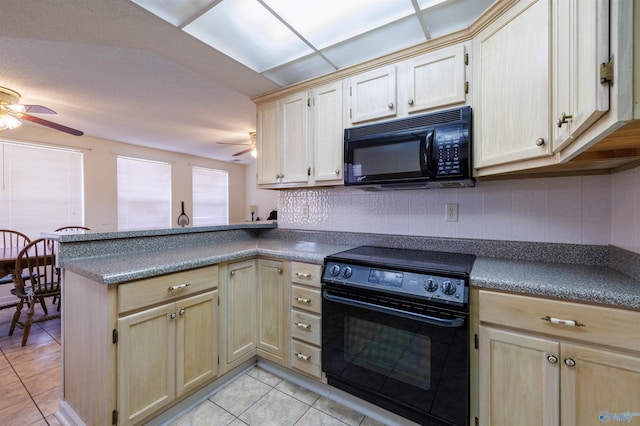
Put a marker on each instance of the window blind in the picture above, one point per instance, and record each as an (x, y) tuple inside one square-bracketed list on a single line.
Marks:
[(144, 194), (41, 188), (210, 196)]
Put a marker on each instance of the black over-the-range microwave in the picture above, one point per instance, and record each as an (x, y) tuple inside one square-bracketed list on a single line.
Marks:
[(423, 151)]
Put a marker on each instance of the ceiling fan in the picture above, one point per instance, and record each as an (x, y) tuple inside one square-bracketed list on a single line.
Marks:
[(11, 111), (251, 143)]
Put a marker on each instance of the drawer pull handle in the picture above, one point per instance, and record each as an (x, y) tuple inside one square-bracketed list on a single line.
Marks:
[(303, 356), (179, 287), (570, 323), (303, 300), (303, 275), (303, 325)]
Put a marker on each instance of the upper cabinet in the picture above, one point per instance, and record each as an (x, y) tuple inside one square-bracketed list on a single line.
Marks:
[(555, 88), (512, 86), (580, 47), (433, 80), (436, 79), (373, 95), (300, 138)]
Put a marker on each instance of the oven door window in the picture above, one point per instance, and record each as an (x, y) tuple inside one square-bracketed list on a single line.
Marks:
[(397, 362)]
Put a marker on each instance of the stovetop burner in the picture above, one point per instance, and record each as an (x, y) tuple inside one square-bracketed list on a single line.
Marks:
[(409, 259)]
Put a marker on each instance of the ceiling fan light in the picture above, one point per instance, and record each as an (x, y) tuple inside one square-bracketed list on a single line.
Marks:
[(254, 153), (7, 122)]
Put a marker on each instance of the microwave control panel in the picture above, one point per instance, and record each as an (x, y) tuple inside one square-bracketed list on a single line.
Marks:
[(449, 148)]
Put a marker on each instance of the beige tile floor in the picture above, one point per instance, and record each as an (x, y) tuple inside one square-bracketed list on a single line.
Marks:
[(30, 376), (30, 390), (259, 397)]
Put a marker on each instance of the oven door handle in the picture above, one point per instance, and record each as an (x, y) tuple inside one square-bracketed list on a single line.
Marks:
[(441, 322)]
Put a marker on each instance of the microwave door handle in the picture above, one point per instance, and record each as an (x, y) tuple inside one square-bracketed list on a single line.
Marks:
[(426, 144)]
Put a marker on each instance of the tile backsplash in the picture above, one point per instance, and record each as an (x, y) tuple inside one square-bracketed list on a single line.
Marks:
[(601, 210)]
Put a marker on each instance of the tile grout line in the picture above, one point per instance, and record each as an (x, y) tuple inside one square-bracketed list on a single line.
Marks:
[(24, 386)]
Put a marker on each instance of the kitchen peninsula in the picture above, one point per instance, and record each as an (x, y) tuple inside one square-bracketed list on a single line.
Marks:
[(111, 278)]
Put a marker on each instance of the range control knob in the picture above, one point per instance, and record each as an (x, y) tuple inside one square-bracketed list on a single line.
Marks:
[(347, 272), (334, 271), (448, 288), (430, 285)]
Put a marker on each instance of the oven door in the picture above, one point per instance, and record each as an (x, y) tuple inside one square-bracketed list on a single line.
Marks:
[(412, 363)]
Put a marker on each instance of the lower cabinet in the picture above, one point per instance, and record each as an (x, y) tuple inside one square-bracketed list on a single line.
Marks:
[(164, 353), (240, 303), (306, 309), (545, 362), (271, 311)]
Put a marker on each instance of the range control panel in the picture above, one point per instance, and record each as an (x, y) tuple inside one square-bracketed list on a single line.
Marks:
[(437, 288)]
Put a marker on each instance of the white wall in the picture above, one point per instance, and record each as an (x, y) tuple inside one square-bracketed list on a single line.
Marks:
[(265, 199), (100, 157), (601, 210)]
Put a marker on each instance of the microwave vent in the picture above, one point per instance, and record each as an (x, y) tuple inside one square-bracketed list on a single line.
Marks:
[(405, 124)]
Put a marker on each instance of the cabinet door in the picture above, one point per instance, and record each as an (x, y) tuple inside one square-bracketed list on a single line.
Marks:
[(196, 341), (241, 309), (146, 362), (518, 384), (373, 95), (599, 387), (436, 80), (511, 86), (271, 307), (267, 165), (581, 44), (327, 132), (294, 156)]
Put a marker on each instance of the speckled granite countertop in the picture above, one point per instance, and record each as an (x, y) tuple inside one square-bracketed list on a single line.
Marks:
[(566, 281), (580, 283), (115, 269)]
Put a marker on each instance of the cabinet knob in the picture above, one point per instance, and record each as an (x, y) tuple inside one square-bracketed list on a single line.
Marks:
[(390, 105), (540, 141), (279, 271), (173, 316), (233, 273), (410, 101), (337, 172), (569, 362), (181, 312), (552, 359), (564, 118)]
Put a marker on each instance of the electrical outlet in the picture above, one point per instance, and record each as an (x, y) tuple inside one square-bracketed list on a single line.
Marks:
[(451, 212), (304, 210)]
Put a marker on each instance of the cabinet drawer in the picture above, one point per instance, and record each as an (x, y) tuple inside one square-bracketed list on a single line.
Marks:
[(305, 327), (138, 294), (306, 273), (305, 358), (601, 325), (306, 298)]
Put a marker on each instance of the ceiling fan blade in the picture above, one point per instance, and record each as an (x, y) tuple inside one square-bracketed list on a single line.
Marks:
[(50, 124), (243, 152), (37, 109)]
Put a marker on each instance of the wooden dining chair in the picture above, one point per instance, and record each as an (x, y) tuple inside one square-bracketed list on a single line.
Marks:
[(72, 228), (9, 238), (37, 261)]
